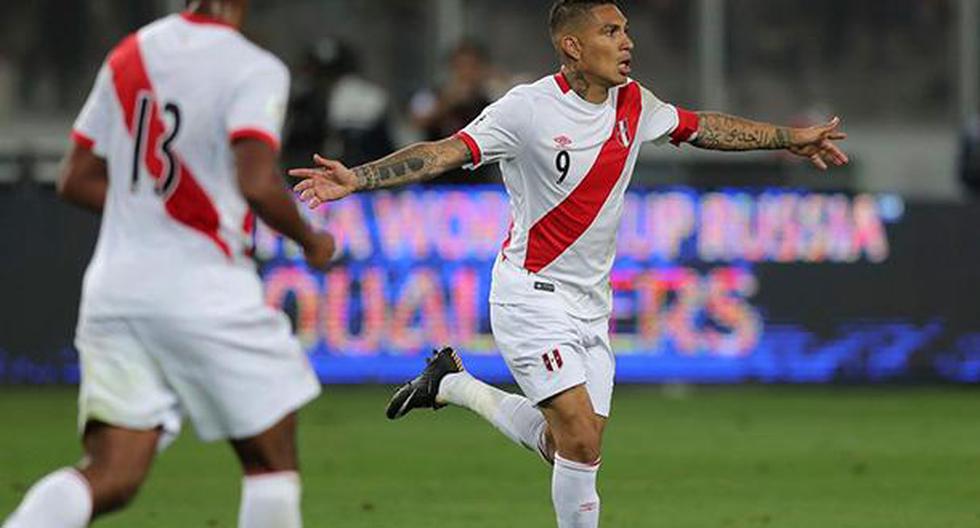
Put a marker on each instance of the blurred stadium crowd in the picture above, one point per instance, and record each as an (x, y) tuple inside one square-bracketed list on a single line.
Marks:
[(369, 75)]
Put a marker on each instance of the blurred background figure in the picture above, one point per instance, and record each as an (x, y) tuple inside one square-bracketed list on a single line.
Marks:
[(472, 82), (969, 160), (334, 109)]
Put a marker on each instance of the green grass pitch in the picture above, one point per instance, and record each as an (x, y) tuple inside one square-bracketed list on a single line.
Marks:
[(715, 457)]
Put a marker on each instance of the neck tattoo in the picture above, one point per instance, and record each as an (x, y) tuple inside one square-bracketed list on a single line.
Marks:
[(578, 82)]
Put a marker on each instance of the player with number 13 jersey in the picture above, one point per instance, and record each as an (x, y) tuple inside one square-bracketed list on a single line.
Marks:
[(175, 146), (175, 225)]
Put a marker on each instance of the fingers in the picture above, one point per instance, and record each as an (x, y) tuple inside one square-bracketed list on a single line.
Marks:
[(328, 164), (830, 127), (818, 162), (325, 167), (307, 195), (310, 198), (303, 185), (320, 184), (831, 152), (318, 196), (304, 173), (830, 130), (827, 153)]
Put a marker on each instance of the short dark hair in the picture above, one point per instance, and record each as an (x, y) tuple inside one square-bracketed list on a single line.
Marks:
[(565, 11)]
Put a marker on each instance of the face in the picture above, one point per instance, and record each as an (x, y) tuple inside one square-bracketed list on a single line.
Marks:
[(468, 67), (605, 48), (230, 11), (239, 8)]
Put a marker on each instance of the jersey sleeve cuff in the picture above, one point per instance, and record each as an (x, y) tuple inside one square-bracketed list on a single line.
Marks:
[(471, 144), (255, 133), (687, 127), (82, 140)]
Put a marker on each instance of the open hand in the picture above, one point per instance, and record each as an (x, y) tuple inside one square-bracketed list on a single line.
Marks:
[(817, 144), (329, 181)]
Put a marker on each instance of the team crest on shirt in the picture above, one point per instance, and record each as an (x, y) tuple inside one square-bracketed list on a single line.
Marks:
[(563, 141), (624, 133)]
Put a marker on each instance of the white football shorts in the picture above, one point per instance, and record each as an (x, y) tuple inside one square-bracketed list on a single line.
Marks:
[(550, 351), (233, 376)]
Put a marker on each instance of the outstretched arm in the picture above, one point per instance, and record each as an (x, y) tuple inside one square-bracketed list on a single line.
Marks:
[(330, 180), (718, 131), (261, 185)]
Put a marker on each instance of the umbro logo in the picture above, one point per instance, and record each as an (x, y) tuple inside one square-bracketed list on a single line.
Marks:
[(563, 141)]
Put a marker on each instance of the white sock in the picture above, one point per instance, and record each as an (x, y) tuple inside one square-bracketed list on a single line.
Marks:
[(511, 414), (271, 501), (574, 494), (62, 499)]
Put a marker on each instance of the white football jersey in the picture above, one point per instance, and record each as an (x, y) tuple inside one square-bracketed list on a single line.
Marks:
[(176, 231), (566, 164)]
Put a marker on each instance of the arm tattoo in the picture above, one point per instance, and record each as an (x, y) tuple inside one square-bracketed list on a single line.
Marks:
[(419, 162), (724, 132)]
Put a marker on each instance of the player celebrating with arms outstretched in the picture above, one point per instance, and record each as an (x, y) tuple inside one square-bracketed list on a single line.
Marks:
[(567, 145), (175, 146)]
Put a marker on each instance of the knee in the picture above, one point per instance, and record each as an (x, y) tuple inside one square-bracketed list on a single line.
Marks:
[(581, 450), (272, 451), (123, 491), (113, 490), (258, 460), (580, 443), (268, 461)]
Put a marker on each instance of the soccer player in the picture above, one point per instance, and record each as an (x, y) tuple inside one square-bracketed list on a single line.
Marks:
[(176, 144), (567, 145)]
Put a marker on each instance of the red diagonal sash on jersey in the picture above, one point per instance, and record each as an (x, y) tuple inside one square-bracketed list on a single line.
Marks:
[(188, 203), (564, 224)]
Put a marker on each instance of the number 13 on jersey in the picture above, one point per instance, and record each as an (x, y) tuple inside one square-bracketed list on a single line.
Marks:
[(153, 143)]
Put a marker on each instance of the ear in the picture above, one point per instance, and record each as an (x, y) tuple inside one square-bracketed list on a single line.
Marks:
[(571, 47)]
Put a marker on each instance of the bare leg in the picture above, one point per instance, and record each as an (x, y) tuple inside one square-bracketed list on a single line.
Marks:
[(271, 451), (271, 487), (574, 430), (116, 463), (577, 434)]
